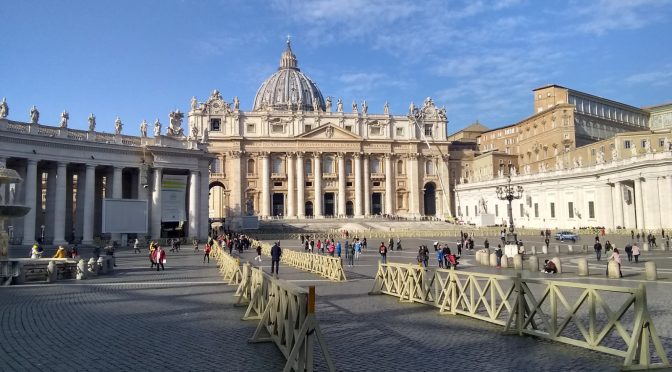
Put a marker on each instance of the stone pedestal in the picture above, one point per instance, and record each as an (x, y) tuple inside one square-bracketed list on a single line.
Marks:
[(583, 267), (544, 249), (612, 270), (558, 264), (650, 269), (570, 249), (518, 262), (533, 263), (493, 259)]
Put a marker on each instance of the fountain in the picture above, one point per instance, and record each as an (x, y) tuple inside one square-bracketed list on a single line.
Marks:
[(8, 176)]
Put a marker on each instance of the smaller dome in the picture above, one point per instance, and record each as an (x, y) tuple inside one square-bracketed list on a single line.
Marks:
[(288, 88)]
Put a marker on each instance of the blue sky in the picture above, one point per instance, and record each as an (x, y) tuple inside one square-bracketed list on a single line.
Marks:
[(481, 59)]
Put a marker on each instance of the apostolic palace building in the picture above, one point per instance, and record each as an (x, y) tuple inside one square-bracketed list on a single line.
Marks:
[(582, 160)]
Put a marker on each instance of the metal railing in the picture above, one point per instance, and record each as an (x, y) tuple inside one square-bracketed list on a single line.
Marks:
[(609, 319)]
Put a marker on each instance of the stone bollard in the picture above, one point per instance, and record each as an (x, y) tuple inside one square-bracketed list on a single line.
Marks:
[(583, 267), (81, 270), (612, 270), (650, 269), (93, 266), (52, 272), (533, 263), (493, 260), (518, 262), (570, 249), (505, 262), (584, 249), (558, 264), (534, 250), (479, 259), (557, 249), (102, 267), (544, 249), (110, 264), (645, 247)]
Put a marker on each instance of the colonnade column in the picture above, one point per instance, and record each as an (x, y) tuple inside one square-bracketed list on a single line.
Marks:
[(357, 158), (265, 185), (30, 198), (639, 204), (341, 184), (651, 204), (236, 204), (194, 190), (389, 185), (291, 186), (116, 194), (49, 213), (617, 202), (156, 204), (367, 186), (414, 185), (3, 196), (301, 186), (203, 212), (59, 205), (89, 198), (317, 173)]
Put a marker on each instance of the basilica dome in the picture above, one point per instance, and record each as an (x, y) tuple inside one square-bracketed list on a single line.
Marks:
[(288, 88)]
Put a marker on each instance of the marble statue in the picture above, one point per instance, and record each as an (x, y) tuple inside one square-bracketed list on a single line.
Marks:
[(316, 105), (483, 206), (339, 105), (386, 108), (175, 127), (249, 207), (215, 95), (4, 109), (514, 172), (157, 128), (411, 108), (647, 146), (599, 157), (204, 137), (633, 150), (666, 144), (118, 126), (328, 104), (428, 102), (64, 119), (194, 103), (354, 106), (92, 122), (500, 173), (143, 129), (194, 132), (442, 113), (236, 103), (579, 161), (34, 115), (365, 107), (558, 165)]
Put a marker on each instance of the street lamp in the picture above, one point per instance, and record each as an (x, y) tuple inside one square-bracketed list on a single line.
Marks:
[(509, 192)]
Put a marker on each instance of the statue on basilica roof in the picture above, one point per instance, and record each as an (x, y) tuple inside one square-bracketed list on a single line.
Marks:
[(143, 129), (328, 104), (365, 108), (64, 119), (236, 103), (4, 109), (118, 126), (92, 122), (411, 108), (339, 105), (354, 106), (175, 128), (215, 95), (194, 103), (386, 108), (157, 128), (34, 115)]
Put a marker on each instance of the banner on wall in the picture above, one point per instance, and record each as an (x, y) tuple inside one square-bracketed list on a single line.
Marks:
[(173, 198)]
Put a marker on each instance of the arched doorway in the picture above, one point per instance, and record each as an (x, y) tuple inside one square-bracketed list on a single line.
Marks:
[(430, 199), (217, 204), (308, 212)]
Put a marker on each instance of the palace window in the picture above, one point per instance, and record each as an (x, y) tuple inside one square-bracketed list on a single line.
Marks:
[(375, 165), (348, 128), (627, 144), (348, 184), (643, 143), (400, 132), (375, 131), (496, 210), (522, 209), (536, 210), (215, 125), (400, 200), (251, 128), (400, 167), (250, 166), (277, 166), (570, 206), (348, 167), (214, 166), (429, 168), (328, 165), (552, 210), (308, 166), (278, 128), (307, 128), (661, 142), (429, 130), (591, 209)]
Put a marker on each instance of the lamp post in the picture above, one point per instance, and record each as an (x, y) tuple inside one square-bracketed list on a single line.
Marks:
[(509, 192)]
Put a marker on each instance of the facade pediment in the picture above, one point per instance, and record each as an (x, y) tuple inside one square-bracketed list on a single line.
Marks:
[(329, 132)]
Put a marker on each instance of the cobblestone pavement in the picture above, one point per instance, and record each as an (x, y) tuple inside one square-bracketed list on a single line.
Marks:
[(186, 315)]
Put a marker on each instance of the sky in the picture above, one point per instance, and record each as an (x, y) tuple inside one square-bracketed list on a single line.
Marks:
[(480, 59)]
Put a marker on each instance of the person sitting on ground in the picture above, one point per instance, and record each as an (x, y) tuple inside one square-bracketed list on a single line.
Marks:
[(549, 267), (60, 252)]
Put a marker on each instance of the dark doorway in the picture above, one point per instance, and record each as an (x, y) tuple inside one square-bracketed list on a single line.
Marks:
[(349, 209), (377, 203), (309, 209), (329, 204), (278, 204), (430, 199)]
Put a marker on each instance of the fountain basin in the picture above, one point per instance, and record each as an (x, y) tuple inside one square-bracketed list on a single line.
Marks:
[(12, 211)]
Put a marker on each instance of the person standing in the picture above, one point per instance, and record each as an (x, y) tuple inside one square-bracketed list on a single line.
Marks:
[(636, 252), (160, 258), (390, 244), (276, 253), (486, 244), (439, 257), (598, 248), (383, 252), (628, 251), (499, 254), (338, 249), (358, 250), (616, 257), (364, 243), (350, 252), (136, 246), (258, 258), (206, 251), (195, 243)]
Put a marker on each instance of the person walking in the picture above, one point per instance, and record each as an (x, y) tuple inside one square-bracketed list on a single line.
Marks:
[(136, 246), (616, 257), (258, 258), (420, 256), (358, 250), (350, 252), (486, 244), (276, 253), (390, 244), (338, 249), (160, 258), (636, 252), (425, 255), (398, 244), (195, 244), (628, 251), (206, 252), (598, 248), (383, 253), (439, 256)]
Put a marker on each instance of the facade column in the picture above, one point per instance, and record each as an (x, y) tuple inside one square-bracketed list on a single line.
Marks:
[(317, 173), (117, 178), (666, 202), (639, 204), (3, 196), (156, 204), (651, 205), (265, 185), (203, 212), (48, 213), (291, 186), (194, 190), (341, 184), (414, 186), (236, 205), (89, 202), (367, 186), (604, 207), (617, 202), (301, 186), (30, 201), (389, 186), (357, 158), (445, 186), (59, 204)]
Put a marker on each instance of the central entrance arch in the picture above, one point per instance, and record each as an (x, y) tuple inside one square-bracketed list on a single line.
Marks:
[(278, 204), (430, 199)]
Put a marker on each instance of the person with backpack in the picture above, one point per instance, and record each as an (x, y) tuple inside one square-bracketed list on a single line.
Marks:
[(338, 249), (383, 253)]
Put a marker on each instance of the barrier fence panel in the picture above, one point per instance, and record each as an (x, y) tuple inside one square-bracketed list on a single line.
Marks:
[(609, 319), (229, 267), (325, 266)]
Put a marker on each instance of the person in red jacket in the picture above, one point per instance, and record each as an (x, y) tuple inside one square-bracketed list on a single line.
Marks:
[(159, 258)]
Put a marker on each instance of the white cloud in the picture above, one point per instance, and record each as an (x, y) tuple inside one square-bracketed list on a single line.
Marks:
[(653, 78), (368, 82), (603, 16)]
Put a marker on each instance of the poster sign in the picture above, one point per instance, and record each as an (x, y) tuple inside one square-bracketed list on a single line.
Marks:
[(173, 198)]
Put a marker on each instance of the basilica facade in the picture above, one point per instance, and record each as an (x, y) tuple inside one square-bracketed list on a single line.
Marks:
[(299, 155)]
